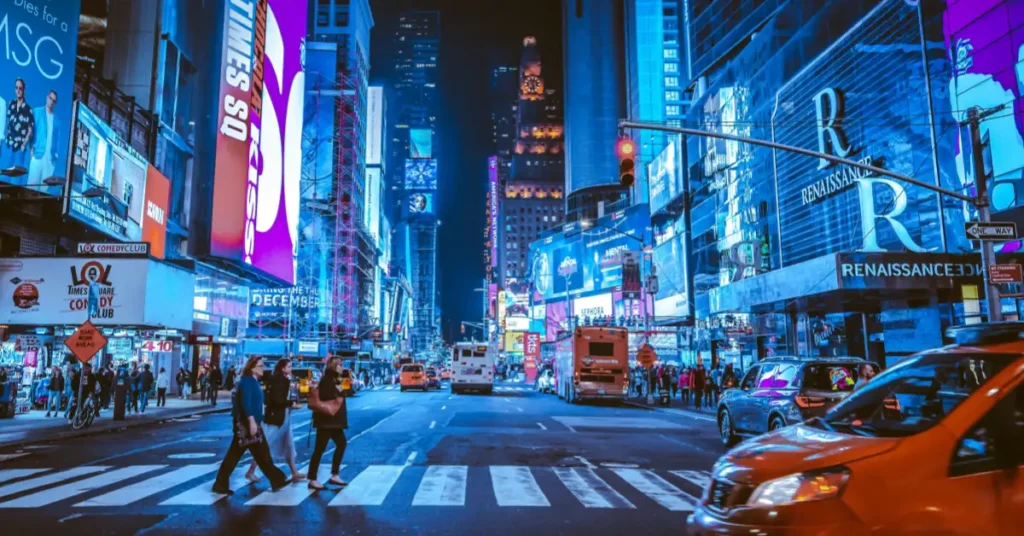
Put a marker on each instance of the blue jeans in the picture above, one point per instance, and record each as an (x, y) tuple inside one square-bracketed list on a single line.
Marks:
[(144, 400), (53, 404)]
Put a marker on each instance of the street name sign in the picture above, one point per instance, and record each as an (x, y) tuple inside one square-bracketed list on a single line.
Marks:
[(994, 231), (86, 341)]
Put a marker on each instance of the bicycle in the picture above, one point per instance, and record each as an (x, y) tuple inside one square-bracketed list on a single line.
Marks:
[(79, 420)]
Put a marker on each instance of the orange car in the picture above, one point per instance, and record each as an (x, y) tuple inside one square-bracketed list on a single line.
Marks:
[(412, 377), (934, 445)]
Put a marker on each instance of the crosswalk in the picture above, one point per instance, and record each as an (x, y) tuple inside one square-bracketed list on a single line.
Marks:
[(497, 388), (88, 487)]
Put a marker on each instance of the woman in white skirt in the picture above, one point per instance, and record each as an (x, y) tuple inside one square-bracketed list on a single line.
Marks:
[(277, 419)]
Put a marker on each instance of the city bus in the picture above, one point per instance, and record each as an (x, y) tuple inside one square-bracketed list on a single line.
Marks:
[(472, 367), (592, 364)]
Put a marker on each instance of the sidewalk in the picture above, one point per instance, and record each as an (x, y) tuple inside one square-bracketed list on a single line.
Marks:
[(35, 427), (677, 407)]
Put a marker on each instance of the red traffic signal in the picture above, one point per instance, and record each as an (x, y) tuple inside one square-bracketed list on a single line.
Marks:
[(626, 151)]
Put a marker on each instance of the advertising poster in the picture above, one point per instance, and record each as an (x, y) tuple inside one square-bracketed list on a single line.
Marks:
[(372, 200), (275, 304), (38, 41), (420, 203), (607, 240), (259, 137), (673, 295), (154, 222), (374, 125), (514, 341), (665, 177), (555, 321), (593, 308), (420, 174), (108, 183), (420, 143), (492, 200), (492, 297)]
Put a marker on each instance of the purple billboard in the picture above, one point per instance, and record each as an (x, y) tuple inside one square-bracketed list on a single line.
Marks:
[(259, 136), (492, 225)]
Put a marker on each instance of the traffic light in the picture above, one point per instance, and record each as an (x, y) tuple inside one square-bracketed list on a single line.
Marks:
[(626, 150), (463, 328)]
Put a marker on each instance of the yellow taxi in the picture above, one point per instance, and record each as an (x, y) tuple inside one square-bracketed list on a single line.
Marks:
[(934, 445), (303, 379), (413, 376)]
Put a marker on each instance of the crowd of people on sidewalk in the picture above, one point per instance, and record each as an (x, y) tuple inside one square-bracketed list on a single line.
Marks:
[(695, 384)]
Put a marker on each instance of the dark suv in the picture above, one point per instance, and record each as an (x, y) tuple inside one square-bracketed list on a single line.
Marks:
[(785, 390)]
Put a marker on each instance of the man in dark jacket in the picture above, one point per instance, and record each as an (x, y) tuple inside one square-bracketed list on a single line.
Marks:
[(146, 384), (214, 380), (134, 387), (698, 382)]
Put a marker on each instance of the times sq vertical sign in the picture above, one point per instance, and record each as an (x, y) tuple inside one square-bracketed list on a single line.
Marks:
[(259, 136), (492, 210)]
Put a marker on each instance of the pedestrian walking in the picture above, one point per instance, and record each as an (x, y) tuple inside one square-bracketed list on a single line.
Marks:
[(247, 420), (684, 386), (674, 378), (710, 388), (330, 418), (277, 420), (135, 385), (107, 386), (180, 378), (729, 378), (716, 382), (698, 381), (146, 381), (56, 391), (163, 383), (214, 382)]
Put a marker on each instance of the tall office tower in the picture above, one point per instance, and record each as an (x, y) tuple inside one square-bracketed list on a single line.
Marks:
[(504, 106), (532, 200), (338, 257), (658, 70), (593, 51), (413, 115)]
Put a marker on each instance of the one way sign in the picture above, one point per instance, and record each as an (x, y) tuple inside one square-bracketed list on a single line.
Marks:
[(995, 231)]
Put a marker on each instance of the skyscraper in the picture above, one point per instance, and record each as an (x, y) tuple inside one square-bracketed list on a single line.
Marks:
[(532, 200), (594, 63), (504, 105), (413, 118)]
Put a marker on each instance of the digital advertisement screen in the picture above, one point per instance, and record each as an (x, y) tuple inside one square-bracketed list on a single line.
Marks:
[(420, 143), (374, 125), (259, 137), (154, 222), (665, 176), (37, 75), (555, 320), (372, 201), (672, 299), (492, 200), (420, 174), (419, 203), (108, 179)]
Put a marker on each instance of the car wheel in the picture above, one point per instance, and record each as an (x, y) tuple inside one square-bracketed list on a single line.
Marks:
[(725, 429), (775, 423)]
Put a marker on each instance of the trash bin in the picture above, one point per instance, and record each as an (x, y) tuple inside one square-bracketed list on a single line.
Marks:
[(120, 396)]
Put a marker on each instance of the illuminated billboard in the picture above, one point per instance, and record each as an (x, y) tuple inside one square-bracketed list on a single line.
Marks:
[(664, 177), (154, 220), (419, 203), (254, 221), (492, 225), (420, 174), (37, 74), (372, 201), (112, 172), (420, 143), (374, 125)]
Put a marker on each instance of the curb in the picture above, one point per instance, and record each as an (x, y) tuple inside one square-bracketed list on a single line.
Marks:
[(64, 434), (685, 413)]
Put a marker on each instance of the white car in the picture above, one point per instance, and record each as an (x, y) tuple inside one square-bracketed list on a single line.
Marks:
[(545, 382)]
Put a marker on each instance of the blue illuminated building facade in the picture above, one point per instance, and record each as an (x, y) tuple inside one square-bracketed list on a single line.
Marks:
[(774, 253)]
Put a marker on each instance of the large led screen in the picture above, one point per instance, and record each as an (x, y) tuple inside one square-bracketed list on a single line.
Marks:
[(108, 179), (419, 203), (255, 212), (374, 125), (37, 73), (664, 177), (420, 174), (673, 295), (420, 144)]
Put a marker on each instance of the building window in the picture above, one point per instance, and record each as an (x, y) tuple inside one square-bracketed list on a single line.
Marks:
[(321, 18), (672, 110), (341, 18), (671, 81), (670, 53), (671, 67), (672, 95)]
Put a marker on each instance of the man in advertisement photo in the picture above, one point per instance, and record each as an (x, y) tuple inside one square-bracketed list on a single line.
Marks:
[(45, 143), (19, 129)]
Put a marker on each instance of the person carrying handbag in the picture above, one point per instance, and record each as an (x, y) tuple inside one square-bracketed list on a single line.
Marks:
[(330, 418), (247, 417)]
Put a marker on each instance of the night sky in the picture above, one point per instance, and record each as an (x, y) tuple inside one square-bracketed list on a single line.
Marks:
[(476, 36)]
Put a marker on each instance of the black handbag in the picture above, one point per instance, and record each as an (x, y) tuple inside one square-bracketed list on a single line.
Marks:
[(242, 435)]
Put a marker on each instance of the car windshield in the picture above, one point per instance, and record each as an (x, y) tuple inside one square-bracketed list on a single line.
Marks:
[(413, 368), (837, 377), (914, 395)]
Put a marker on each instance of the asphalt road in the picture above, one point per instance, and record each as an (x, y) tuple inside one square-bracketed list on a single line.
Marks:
[(515, 462)]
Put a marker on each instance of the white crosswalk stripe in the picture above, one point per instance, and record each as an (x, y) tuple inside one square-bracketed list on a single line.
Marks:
[(515, 486), (590, 489), (46, 480), (52, 495), (436, 485), (370, 488), (658, 488), (442, 485), (152, 486)]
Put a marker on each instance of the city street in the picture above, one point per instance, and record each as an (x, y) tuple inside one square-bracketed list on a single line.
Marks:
[(515, 462)]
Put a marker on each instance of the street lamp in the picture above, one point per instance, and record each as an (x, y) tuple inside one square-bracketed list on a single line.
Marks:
[(14, 171)]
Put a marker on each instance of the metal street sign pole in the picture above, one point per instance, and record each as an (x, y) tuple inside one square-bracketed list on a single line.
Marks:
[(981, 202)]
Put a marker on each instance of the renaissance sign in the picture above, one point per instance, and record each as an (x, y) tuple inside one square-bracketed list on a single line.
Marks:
[(907, 270)]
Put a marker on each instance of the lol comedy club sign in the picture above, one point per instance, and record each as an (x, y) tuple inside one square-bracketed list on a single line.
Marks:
[(70, 290)]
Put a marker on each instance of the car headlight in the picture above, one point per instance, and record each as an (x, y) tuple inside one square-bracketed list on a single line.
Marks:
[(801, 487)]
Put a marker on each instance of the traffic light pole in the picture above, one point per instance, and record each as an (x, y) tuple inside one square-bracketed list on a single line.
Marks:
[(979, 202)]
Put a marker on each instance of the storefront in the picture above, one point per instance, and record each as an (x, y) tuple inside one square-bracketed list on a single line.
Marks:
[(219, 317)]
